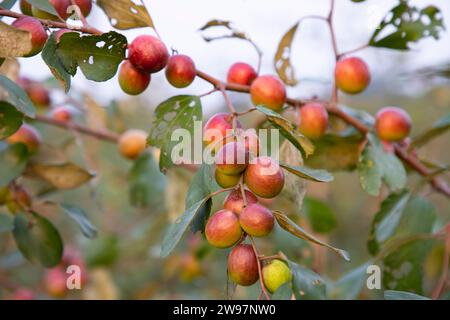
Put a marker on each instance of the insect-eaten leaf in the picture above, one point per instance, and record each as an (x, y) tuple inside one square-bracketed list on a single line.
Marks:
[(98, 56), (126, 14), (291, 227), (175, 115), (38, 240), (406, 24), (61, 176), (80, 216), (289, 131), (13, 159), (376, 165), (14, 42), (306, 284), (282, 61), (16, 96), (54, 62), (10, 120)]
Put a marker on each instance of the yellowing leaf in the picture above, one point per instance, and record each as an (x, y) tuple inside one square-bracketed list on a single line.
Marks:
[(125, 14), (61, 176), (282, 59), (13, 42)]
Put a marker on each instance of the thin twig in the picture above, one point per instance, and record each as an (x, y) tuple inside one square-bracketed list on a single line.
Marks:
[(261, 279)]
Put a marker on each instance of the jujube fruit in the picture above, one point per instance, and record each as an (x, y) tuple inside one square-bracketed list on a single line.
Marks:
[(217, 128), (257, 220), (251, 141), (55, 282), (234, 201), (268, 91), (132, 80), (27, 135), (223, 229), (264, 177), (393, 124), (62, 114), (241, 73), (132, 143), (38, 34), (38, 94), (242, 265), (226, 180), (148, 53), (180, 71), (275, 274), (352, 75), (232, 158), (313, 120)]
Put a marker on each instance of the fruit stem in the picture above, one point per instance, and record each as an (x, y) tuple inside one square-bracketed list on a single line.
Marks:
[(261, 279)]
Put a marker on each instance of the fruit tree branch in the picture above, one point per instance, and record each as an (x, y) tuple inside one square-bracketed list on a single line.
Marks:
[(261, 279)]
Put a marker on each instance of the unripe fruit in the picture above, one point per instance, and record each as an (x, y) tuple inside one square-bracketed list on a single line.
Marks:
[(38, 34), (38, 95), (18, 200), (313, 120), (268, 91), (148, 53), (217, 128), (63, 114), (264, 177), (242, 265), (225, 180), (132, 143), (234, 201), (223, 229), (25, 7), (241, 73), (251, 142), (132, 80), (180, 71), (393, 124), (275, 274), (352, 75), (55, 282), (190, 268), (257, 220), (232, 158), (27, 135)]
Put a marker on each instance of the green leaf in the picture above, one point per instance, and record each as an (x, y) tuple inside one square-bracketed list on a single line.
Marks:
[(437, 129), (38, 240), (309, 174), (98, 56), (55, 64), (419, 217), (43, 5), (402, 295), (282, 60), (10, 120), (147, 183), (405, 25), (350, 284), (16, 96), (6, 223), (202, 185), (7, 4), (178, 112), (306, 284), (126, 14), (321, 217), (284, 292), (377, 165), (103, 251), (13, 159), (179, 227), (78, 214), (289, 131), (291, 227)]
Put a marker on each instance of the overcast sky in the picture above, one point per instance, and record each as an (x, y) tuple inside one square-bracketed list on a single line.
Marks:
[(265, 21)]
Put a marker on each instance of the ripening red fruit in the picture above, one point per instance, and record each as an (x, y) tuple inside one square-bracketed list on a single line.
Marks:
[(132, 143), (38, 95), (217, 128), (243, 265), (24, 294), (264, 177), (27, 135), (234, 201), (223, 229), (180, 71), (268, 91), (352, 75), (393, 124), (132, 80), (62, 114), (55, 282), (256, 220), (38, 34), (25, 7), (148, 54), (61, 7), (313, 120), (226, 180), (232, 158), (84, 5), (251, 141), (241, 73)]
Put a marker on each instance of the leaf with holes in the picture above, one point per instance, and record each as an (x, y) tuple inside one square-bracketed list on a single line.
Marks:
[(407, 24), (179, 112), (14, 42), (98, 56), (61, 176), (80, 216), (10, 120), (288, 130), (13, 159), (306, 284), (54, 62), (126, 14), (282, 59), (38, 240), (291, 227), (438, 128), (16, 96)]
